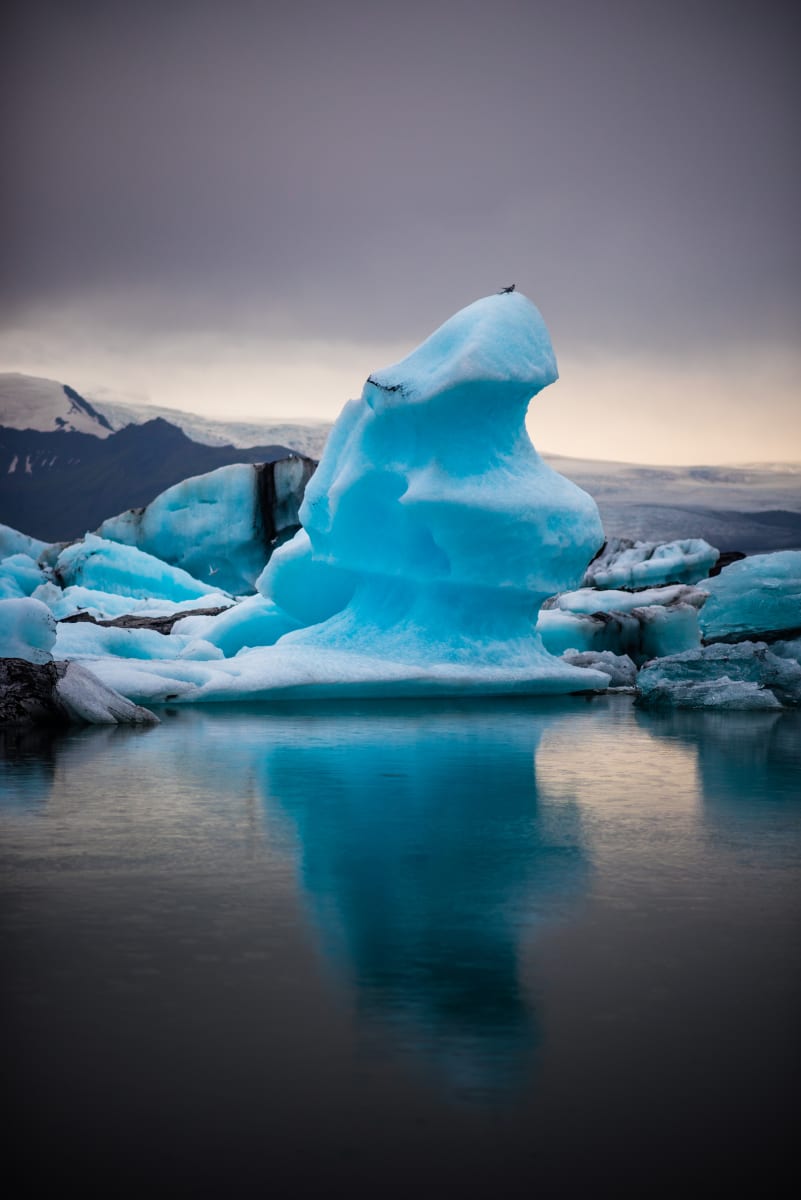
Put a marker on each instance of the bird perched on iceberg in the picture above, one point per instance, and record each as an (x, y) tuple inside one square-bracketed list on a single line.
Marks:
[(506, 291)]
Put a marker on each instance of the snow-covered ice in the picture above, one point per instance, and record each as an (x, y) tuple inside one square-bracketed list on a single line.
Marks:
[(626, 563), (593, 600)]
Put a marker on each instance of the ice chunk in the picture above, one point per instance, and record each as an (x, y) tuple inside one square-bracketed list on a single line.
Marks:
[(594, 600), (86, 698), (621, 670), (106, 566), (104, 605), (788, 649), (221, 526), (19, 576), (626, 563), (14, 542), (744, 676), (27, 630), (86, 640), (641, 633), (754, 597)]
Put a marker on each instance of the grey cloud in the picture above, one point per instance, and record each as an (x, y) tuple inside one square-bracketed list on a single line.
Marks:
[(361, 169)]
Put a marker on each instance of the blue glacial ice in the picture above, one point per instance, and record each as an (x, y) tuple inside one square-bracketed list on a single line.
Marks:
[(642, 625), (755, 597), (20, 571), (14, 542), (221, 526), (438, 590), (20, 575), (103, 566), (27, 630)]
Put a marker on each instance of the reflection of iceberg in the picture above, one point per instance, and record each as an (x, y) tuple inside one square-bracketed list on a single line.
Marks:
[(27, 765), (428, 858), (35, 760), (427, 850), (753, 758)]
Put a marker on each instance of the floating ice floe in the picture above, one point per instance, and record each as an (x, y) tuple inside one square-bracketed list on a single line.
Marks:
[(626, 563), (744, 676), (432, 531), (756, 597)]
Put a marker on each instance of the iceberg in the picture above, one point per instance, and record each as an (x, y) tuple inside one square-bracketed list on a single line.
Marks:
[(432, 532), (626, 563), (469, 532), (757, 597), (621, 669), (745, 676), (222, 526)]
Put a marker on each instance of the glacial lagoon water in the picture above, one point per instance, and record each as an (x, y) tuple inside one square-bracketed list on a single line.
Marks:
[(491, 948)]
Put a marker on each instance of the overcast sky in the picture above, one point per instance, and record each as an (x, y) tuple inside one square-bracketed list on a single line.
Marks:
[(244, 207)]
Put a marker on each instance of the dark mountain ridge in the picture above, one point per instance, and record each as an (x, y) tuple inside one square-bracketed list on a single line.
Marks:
[(57, 485)]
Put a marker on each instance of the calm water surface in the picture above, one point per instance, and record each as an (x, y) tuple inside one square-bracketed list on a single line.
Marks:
[(489, 949)]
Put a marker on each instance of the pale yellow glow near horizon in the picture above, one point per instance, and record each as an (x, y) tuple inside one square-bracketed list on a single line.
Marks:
[(733, 408)]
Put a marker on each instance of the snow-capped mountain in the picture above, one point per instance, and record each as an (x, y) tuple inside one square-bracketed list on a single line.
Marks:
[(65, 466), (305, 436), (28, 402), (45, 405)]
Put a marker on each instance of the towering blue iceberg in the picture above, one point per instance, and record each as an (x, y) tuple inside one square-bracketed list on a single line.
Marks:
[(432, 531), (434, 508)]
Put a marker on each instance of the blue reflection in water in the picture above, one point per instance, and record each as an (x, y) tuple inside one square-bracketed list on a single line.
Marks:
[(749, 763), (429, 855), (583, 915)]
